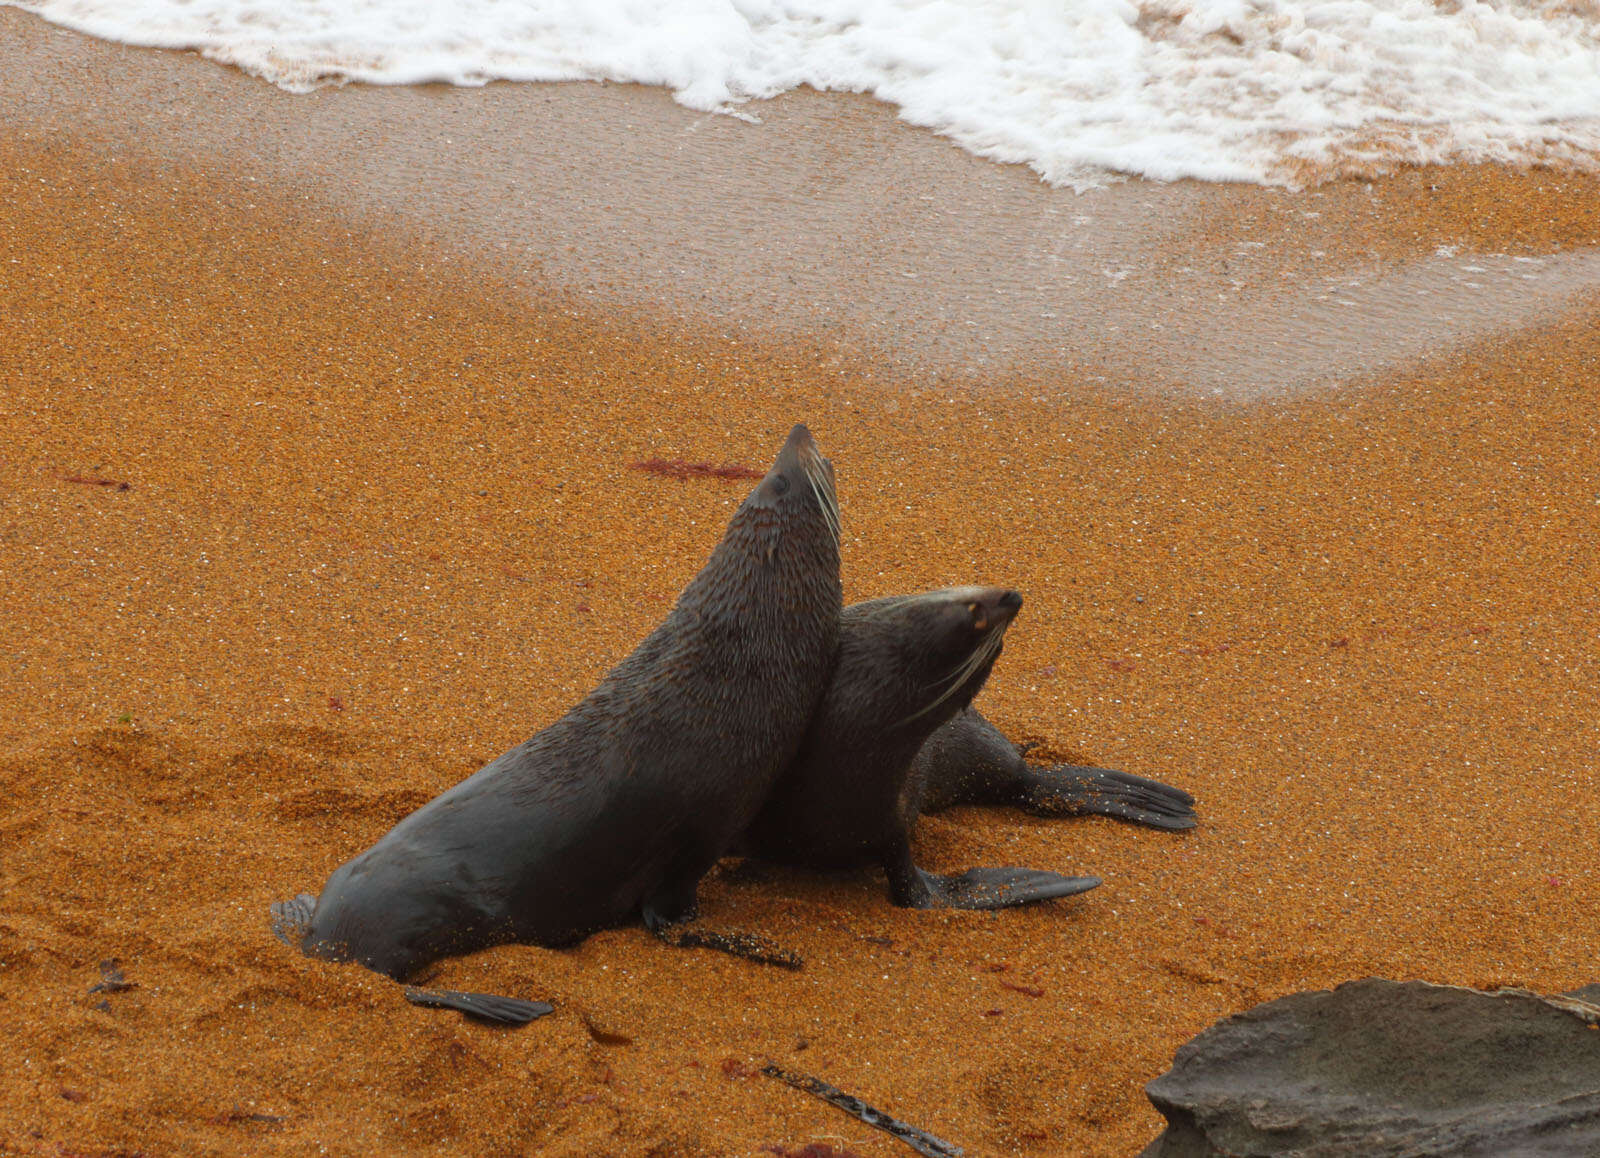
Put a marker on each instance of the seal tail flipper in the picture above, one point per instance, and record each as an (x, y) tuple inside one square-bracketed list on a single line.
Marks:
[(487, 1007), (1004, 888), (1075, 790), (291, 919)]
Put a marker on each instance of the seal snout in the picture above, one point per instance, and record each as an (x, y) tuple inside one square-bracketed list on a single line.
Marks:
[(996, 607), (801, 462), (799, 449), (799, 439)]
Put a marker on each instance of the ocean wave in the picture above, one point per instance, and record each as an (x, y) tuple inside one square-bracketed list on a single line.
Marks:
[(1272, 91)]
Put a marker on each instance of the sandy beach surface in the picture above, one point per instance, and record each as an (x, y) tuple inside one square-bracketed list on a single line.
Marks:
[(319, 418)]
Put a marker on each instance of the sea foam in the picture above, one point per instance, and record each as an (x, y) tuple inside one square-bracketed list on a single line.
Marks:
[(1275, 91)]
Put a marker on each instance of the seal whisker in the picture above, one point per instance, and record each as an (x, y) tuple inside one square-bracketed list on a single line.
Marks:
[(831, 498), (959, 677), (827, 503), (894, 602)]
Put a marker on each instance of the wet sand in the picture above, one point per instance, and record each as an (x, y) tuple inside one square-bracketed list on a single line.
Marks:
[(832, 223), (380, 522)]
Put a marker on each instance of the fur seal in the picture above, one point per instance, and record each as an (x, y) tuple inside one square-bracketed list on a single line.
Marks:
[(615, 811), (905, 666), (895, 736)]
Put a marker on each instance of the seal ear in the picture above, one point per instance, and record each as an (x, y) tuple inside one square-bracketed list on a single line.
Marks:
[(772, 488), (774, 485)]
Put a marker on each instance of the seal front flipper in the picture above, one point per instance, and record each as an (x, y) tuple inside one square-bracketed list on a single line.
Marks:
[(1075, 790), (487, 1007), (979, 888), (1002, 888), (747, 946)]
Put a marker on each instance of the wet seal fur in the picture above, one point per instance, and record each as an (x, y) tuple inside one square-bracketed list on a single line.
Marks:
[(895, 736), (615, 811)]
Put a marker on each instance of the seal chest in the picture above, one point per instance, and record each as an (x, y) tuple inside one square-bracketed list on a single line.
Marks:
[(617, 809)]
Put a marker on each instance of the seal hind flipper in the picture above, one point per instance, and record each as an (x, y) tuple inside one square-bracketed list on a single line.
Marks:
[(1076, 790), (489, 1007), (969, 761), (291, 919)]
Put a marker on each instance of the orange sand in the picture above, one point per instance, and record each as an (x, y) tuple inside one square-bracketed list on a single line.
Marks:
[(380, 524)]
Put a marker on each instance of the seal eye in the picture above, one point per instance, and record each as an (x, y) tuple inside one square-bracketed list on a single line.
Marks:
[(979, 619), (780, 484)]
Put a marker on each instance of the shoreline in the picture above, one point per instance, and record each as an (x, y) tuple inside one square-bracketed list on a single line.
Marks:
[(833, 221), (382, 522)]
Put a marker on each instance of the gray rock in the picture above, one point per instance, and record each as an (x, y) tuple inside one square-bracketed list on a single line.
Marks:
[(1589, 993), (1384, 1069)]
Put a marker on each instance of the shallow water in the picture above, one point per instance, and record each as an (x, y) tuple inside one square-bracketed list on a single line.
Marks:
[(1269, 90), (834, 222)]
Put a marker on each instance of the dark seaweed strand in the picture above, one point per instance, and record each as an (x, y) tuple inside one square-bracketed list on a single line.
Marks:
[(748, 946), (919, 1140)]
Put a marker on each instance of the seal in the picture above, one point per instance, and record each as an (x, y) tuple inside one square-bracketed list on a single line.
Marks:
[(895, 736), (614, 812), (906, 665)]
